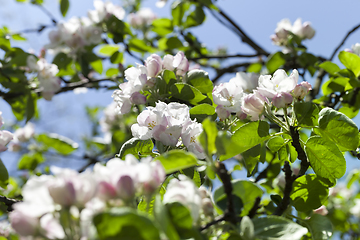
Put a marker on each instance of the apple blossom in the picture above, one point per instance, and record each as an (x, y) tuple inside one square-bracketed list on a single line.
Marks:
[(229, 95), (142, 18), (279, 83), (168, 62), (222, 112), (247, 81), (183, 190), (321, 210), (51, 228), (5, 138), (189, 136), (356, 48), (104, 10), (253, 105), (161, 3), (282, 100), (180, 63), (26, 133), (301, 90), (303, 30), (24, 224), (153, 65)]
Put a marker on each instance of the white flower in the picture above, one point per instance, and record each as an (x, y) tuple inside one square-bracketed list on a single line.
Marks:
[(189, 138), (142, 18), (24, 134), (253, 105), (229, 95), (5, 138), (185, 192), (180, 63), (280, 83), (247, 81), (105, 10)]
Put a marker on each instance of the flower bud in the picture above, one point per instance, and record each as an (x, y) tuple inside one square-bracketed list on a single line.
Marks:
[(222, 112), (301, 90), (23, 224), (5, 138), (125, 188), (153, 65), (307, 30), (180, 63), (137, 98), (282, 99), (321, 210), (253, 105), (168, 62), (106, 191), (62, 192)]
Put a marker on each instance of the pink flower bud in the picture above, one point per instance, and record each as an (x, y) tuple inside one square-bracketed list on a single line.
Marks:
[(180, 63), (23, 224), (168, 62), (207, 206), (307, 30), (62, 192), (321, 210), (5, 138), (106, 191), (222, 112), (138, 98), (125, 188), (153, 65), (282, 99), (301, 90), (253, 105)]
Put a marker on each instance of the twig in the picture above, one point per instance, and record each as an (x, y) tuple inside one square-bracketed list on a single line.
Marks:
[(8, 202), (229, 69), (47, 13), (255, 207), (226, 180), (215, 221), (304, 165), (225, 56), (343, 41), (289, 180)]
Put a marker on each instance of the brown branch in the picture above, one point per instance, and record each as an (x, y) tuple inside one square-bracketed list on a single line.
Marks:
[(215, 221), (343, 41), (255, 207), (229, 69), (9, 202), (225, 56), (304, 165)]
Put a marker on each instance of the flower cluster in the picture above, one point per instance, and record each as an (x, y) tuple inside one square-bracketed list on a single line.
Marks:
[(168, 123), (47, 197), (284, 29), (279, 89), (145, 76), (46, 75), (22, 135), (5, 136), (142, 18), (77, 33)]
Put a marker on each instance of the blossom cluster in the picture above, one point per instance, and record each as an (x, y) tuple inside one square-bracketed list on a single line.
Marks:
[(77, 33), (145, 76), (279, 89), (5, 136), (47, 197), (22, 135), (284, 29), (49, 84), (168, 123), (142, 18)]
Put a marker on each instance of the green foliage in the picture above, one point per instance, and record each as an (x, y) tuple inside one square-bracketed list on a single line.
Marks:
[(275, 62), (136, 147), (30, 161), (4, 175), (125, 223), (306, 114), (319, 226), (176, 160), (61, 144), (202, 111), (308, 193), (350, 61), (64, 7)]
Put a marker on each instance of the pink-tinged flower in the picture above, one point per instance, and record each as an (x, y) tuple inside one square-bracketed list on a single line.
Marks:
[(51, 228), (137, 98), (355, 49), (180, 63), (142, 18), (185, 192), (189, 138), (280, 83), (122, 100), (153, 65), (5, 138), (168, 62), (253, 105), (24, 224), (150, 175), (104, 10), (222, 112), (229, 95), (168, 135), (301, 90), (125, 188), (321, 210), (303, 30), (26, 133), (281, 100), (62, 192), (247, 81)]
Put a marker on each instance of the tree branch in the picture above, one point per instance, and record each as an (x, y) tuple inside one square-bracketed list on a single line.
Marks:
[(229, 69), (225, 56), (8, 202), (343, 41), (289, 180)]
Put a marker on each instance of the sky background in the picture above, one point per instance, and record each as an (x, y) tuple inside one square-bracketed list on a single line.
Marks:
[(65, 114)]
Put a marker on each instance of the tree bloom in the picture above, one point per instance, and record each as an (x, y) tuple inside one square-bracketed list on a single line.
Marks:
[(253, 105), (142, 18), (104, 10), (301, 90)]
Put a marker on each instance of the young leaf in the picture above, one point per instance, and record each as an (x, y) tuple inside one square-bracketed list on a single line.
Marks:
[(61, 144), (325, 158), (306, 113), (208, 136), (308, 193), (320, 227), (330, 67), (64, 7), (202, 111), (350, 61), (136, 147), (176, 160), (338, 128), (274, 227), (4, 175)]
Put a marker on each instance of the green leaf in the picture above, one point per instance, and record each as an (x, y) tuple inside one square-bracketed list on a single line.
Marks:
[(337, 127), (97, 66), (162, 26), (325, 158), (247, 229), (180, 215), (202, 111), (195, 18), (117, 57), (255, 68), (108, 49), (4, 175), (330, 67), (112, 72), (246, 137), (162, 217), (61, 144), (250, 158), (64, 7), (208, 136), (319, 226), (306, 113), (274, 227), (186, 92), (275, 61), (200, 80), (173, 43), (125, 223), (275, 143), (176, 159), (246, 191), (308, 193), (139, 45), (30, 161), (178, 10), (136, 147), (350, 61)]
